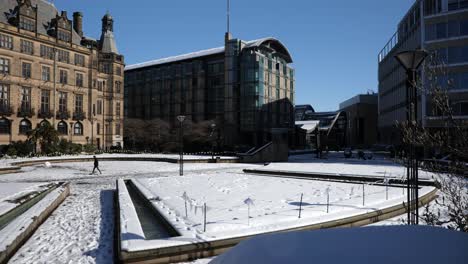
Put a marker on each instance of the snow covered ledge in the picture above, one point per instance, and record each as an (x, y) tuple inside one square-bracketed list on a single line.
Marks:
[(17, 232)]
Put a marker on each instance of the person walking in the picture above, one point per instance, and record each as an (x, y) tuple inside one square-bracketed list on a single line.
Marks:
[(96, 165)]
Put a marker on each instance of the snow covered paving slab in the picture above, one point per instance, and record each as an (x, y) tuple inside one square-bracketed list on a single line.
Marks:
[(12, 192)]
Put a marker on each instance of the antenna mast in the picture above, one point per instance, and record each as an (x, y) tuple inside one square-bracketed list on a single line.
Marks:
[(228, 15)]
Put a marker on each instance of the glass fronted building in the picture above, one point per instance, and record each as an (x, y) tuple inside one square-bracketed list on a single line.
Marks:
[(441, 28), (246, 88)]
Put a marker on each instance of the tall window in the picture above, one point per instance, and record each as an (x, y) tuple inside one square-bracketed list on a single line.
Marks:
[(79, 60), (118, 86), (27, 24), (99, 107), (79, 79), (79, 103), (117, 109), (25, 98), (62, 128), (98, 129), (62, 102), (118, 70), (4, 126), (78, 129), (117, 129), (46, 73), (27, 47), (47, 52), (63, 77), (25, 126), (101, 84), (26, 70), (6, 42), (4, 66), (45, 101), (4, 96), (63, 56)]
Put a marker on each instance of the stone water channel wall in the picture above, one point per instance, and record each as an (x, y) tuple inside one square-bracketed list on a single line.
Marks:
[(195, 250), (18, 231)]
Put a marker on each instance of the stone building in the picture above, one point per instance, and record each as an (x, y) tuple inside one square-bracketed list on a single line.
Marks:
[(246, 88), (51, 72)]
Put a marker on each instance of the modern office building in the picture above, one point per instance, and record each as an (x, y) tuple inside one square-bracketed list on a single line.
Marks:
[(323, 129), (51, 72), (441, 28), (245, 87), (361, 112)]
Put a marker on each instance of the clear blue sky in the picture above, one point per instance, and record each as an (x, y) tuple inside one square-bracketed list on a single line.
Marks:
[(334, 44)]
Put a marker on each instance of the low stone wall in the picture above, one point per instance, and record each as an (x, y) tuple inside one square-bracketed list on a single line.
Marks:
[(214, 248), (339, 177), (17, 165), (27, 232)]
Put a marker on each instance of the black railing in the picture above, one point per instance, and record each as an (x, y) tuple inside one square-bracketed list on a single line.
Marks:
[(45, 113), (6, 110), (79, 116), (63, 114), (25, 111)]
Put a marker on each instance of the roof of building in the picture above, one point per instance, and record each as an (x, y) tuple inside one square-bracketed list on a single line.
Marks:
[(360, 99), (108, 42), (202, 53), (46, 12)]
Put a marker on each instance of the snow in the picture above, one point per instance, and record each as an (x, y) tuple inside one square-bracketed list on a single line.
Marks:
[(81, 229), (13, 190), (395, 244), (14, 228), (276, 203), (130, 227)]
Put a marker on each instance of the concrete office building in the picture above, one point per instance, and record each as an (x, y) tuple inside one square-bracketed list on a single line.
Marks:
[(440, 27), (245, 87), (361, 112), (51, 72)]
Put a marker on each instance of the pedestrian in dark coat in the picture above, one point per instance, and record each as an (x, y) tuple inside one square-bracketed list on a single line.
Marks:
[(96, 165)]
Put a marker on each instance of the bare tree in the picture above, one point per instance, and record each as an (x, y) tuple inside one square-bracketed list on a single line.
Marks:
[(449, 139)]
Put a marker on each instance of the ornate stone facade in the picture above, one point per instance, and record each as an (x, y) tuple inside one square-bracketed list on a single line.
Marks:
[(50, 72)]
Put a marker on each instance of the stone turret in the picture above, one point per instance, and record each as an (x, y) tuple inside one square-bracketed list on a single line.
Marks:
[(107, 41)]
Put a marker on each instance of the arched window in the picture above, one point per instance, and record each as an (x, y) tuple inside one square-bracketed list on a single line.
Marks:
[(4, 126), (44, 122), (62, 128), (24, 126), (78, 129)]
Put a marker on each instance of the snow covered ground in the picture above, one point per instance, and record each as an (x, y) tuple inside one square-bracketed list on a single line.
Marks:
[(81, 229)]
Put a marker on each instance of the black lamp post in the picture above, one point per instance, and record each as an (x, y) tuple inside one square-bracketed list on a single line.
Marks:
[(213, 128), (411, 60), (181, 120)]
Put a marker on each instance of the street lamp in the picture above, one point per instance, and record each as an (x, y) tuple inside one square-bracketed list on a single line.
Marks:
[(411, 60), (181, 119), (213, 128)]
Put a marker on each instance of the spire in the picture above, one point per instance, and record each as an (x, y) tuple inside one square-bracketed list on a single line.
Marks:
[(228, 36), (107, 41)]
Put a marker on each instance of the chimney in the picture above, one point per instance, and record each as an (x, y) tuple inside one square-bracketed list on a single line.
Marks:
[(78, 23)]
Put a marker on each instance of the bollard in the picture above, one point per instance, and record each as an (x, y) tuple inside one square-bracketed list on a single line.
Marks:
[(300, 206)]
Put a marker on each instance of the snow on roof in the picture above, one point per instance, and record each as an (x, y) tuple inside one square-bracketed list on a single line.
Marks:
[(383, 245), (197, 54), (186, 56), (310, 126)]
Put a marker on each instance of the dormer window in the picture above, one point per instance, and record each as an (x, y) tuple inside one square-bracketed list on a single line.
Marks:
[(27, 24), (64, 35)]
